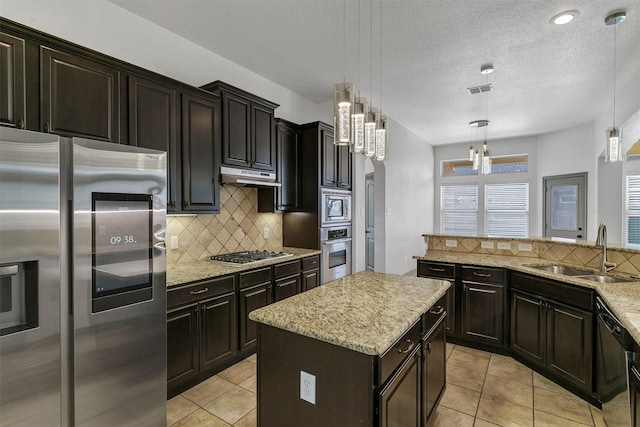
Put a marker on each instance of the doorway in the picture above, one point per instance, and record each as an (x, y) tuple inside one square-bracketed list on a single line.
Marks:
[(369, 222), (565, 206)]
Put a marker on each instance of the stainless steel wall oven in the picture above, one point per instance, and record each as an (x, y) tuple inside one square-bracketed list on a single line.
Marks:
[(336, 252)]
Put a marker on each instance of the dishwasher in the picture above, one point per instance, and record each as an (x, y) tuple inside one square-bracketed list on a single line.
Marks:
[(616, 367)]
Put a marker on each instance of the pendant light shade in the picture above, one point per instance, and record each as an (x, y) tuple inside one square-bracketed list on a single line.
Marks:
[(370, 134), (343, 98), (357, 124), (381, 138), (614, 145)]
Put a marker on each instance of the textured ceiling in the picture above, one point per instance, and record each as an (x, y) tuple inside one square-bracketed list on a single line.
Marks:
[(547, 77)]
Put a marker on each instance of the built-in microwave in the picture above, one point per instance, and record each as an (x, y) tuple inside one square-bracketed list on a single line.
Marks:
[(336, 207)]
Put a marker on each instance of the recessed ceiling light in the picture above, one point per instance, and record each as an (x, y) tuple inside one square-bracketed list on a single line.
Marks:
[(486, 69), (615, 18), (564, 17), (479, 123)]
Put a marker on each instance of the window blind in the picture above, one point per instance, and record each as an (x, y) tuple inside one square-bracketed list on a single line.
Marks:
[(631, 223), (507, 210), (459, 210)]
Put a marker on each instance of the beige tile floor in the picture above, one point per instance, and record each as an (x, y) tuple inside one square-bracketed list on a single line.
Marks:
[(483, 390)]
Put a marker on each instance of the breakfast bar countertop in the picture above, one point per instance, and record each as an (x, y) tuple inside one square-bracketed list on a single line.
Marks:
[(365, 312), (179, 274)]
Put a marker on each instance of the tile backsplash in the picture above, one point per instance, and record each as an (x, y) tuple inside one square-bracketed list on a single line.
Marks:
[(237, 227)]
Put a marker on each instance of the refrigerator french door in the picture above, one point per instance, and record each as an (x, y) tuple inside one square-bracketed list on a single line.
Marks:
[(93, 291)]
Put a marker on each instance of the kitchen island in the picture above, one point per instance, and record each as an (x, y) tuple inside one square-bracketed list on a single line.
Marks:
[(361, 350)]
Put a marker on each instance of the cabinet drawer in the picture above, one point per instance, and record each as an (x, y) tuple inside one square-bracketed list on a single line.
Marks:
[(393, 357), (436, 269), (431, 317), (311, 263), (483, 274), (562, 292), (286, 269), (255, 277), (199, 291)]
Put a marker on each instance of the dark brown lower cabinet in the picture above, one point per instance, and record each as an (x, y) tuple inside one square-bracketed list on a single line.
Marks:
[(554, 336), (251, 299), (483, 313), (182, 348), (218, 334), (310, 272), (400, 398), (434, 370), (443, 271), (634, 391), (286, 287)]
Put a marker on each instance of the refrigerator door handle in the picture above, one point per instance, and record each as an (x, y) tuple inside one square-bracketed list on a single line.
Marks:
[(9, 270), (161, 245)]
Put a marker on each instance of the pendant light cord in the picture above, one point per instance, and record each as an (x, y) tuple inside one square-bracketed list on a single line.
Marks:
[(615, 43), (371, 50), (344, 41), (380, 97)]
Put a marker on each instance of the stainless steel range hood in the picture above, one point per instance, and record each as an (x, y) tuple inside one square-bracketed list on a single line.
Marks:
[(249, 177)]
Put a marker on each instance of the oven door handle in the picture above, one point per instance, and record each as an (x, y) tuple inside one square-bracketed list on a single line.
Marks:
[(331, 242)]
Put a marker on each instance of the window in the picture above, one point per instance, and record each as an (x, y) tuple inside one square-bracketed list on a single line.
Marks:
[(459, 210), (507, 210), (631, 223), (509, 164), (458, 168)]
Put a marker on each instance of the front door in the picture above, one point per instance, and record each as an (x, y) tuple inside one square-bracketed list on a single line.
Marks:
[(565, 206), (369, 230)]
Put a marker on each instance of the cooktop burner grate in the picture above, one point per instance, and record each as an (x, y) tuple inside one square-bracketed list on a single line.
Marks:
[(247, 257)]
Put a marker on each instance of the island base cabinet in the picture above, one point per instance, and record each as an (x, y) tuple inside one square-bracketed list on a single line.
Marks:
[(343, 393), (399, 399), (434, 369)]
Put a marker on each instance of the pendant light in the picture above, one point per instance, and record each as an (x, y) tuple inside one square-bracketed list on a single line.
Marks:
[(613, 152), (381, 122), (357, 115), (370, 117), (480, 158), (343, 96)]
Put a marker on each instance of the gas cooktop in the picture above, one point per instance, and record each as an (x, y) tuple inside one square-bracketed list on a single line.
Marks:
[(248, 257)]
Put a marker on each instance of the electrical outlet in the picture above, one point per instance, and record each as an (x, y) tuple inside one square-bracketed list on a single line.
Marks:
[(525, 247), (504, 246), (486, 245), (174, 242), (308, 387), (265, 233), (451, 243)]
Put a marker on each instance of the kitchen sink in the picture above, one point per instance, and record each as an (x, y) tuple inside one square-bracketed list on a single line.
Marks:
[(602, 279), (564, 270)]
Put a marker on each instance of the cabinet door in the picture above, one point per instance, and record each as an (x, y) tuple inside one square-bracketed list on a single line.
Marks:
[(289, 194), (218, 330), (263, 145), (528, 331), (329, 170), (236, 139), (570, 344), (434, 369), (310, 279), (251, 299), (482, 313), (399, 400), (343, 169), (286, 287), (80, 97), (200, 158), (12, 82), (182, 344), (634, 391), (153, 123)]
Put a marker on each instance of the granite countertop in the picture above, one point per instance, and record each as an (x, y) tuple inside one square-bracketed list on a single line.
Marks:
[(623, 298), (178, 274), (366, 312)]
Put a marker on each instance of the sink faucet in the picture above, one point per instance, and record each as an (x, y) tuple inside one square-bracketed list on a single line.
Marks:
[(601, 241)]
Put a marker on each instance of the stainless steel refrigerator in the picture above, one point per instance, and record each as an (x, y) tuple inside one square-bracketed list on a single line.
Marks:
[(82, 282)]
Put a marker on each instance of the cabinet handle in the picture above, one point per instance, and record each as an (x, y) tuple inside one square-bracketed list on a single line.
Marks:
[(440, 270), (408, 349), (46, 127), (438, 310), (187, 203), (172, 204), (20, 124), (482, 274), (201, 291), (429, 347)]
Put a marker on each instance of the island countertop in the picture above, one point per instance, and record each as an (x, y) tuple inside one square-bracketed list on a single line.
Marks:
[(365, 312)]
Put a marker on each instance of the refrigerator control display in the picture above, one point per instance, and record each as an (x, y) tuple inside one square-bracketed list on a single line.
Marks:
[(121, 242)]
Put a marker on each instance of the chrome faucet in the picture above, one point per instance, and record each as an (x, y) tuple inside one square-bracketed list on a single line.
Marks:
[(601, 241)]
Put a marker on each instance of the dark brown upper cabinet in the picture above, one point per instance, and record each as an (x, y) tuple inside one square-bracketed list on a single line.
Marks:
[(80, 97), (336, 162), (154, 115), (12, 81), (248, 130), (200, 153)]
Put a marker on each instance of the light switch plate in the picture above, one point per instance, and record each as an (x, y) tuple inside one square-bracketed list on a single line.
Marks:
[(525, 247), (265, 233), (308, 387), (174, 242), (486, 245), (504, 245), (451, 243)]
